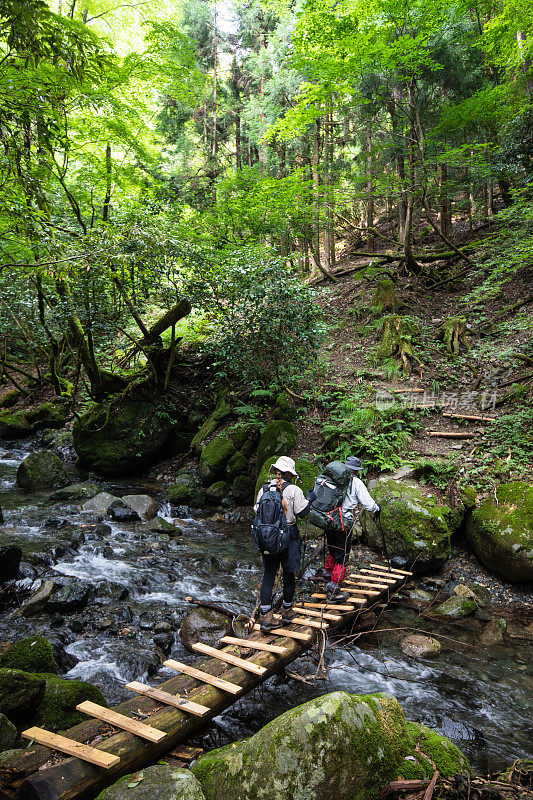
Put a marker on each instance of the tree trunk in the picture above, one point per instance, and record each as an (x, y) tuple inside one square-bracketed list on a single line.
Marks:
[(444, 202), (369, 186), (107, 198), (238, 157)]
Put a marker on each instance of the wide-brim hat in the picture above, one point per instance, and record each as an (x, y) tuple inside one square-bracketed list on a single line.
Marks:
[(285, 464), (353, 462)]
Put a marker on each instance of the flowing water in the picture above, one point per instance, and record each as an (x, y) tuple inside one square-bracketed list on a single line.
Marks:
[(479, 698)]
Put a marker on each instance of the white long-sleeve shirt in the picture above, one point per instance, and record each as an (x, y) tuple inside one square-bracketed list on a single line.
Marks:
[(358, 493)]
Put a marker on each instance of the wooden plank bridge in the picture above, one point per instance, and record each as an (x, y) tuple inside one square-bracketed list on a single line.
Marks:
[(137, 733)]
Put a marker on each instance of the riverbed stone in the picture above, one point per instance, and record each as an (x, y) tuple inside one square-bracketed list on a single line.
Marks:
[(160, 525), (32, 654), (99, 504), (70, 597), (419, 646), (336, 747), (217, 492), (420, 596), (10, 558), (8, 733), (14, 426), (160, 782), (57, 709), (445, 755), (20, 693), (493, 632), (120, 438), (456, 607), (75, 491), (42, 470), (278, 439), (10, 398), (145, 506), (243, 489), (47, 415), (501, 534), (36, 601), (204, 625), (416, 527), (213, 459), (186, 489), (120, 512)]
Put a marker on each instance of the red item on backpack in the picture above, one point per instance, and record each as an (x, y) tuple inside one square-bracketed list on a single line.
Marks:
[(329, 563), (338, 573)]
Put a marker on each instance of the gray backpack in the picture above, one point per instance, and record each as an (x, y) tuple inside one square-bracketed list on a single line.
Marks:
[(330, 488)]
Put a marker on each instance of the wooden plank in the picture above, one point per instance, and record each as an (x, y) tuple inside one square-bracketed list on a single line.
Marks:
[(98, 757), (310, 622), (120, 721), (375, 578), (205, 677), (364, 592), (302, 637), (255, 645), (168, 699), (355, 600), (374, 585), (222, 655), (330, 606), (305, 610), (187, 752), (394, 571)]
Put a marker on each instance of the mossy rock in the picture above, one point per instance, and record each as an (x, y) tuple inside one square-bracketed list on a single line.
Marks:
[(75, 491), (33, 654), (8, 733), (57, 709), (244, 437), (123, 438), (10, 398), (41, 471), (213, 460), (243, 489), (285, 407), (416, 527), (20, 693), (278, 438), (447, 757), (218, 492), (160, 782), (237, 465), (456, 607), (469, 498), (47, 415), (186, 490), (336, 747), (501, 535), (14, 426), (204, 625), (222, 411)]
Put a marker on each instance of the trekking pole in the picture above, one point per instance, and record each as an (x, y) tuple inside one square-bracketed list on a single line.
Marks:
[(304, 548), (385, 553)]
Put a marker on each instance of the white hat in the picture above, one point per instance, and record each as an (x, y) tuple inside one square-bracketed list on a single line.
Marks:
[(285, 464)]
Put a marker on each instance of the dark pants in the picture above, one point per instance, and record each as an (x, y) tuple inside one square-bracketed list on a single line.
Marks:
[(290, 563), (339, 544)]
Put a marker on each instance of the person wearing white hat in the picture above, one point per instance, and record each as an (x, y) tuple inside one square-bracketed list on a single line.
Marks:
[(294, 505)]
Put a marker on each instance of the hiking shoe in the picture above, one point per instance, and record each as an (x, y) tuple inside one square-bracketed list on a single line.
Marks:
[(322, 574), (288, 614), (334, 592), (267, 622)]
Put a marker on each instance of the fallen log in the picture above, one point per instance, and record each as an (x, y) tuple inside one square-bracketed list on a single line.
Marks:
[(403, 786), (468, 416), (450, 434)]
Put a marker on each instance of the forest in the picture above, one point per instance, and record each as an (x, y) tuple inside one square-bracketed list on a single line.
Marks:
[(234, 231)]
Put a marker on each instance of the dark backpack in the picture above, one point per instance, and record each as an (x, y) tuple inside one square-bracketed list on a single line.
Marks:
[(331, 486), (270, 532)]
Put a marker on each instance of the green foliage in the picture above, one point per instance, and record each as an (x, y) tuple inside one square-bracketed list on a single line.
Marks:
[(379, 438), (510, 439)]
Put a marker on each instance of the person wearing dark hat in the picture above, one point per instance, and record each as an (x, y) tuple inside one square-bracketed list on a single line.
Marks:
[(340, 542), (294, 505)]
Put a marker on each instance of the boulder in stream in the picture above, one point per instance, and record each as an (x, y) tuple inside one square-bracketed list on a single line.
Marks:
[(122, 437), (218, 492), (14, 426), (204, 625), (70, 597), (418, 646), (10, 558), (57, 709), (336, 747), (99, 504), (144, 505), (416, 527), (501, 534), (41, 471), (33, 654), (75, 491), (20, 693), (213, 459), (47, 415), (456, 607), (120, 512), (186, 490), (36, 601), (160, 782)]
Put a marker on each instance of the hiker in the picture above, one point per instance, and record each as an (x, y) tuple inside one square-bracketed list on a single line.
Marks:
[(340, 541), (293, 504)]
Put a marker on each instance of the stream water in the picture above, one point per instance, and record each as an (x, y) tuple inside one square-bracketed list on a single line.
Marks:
[(479, 697)]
